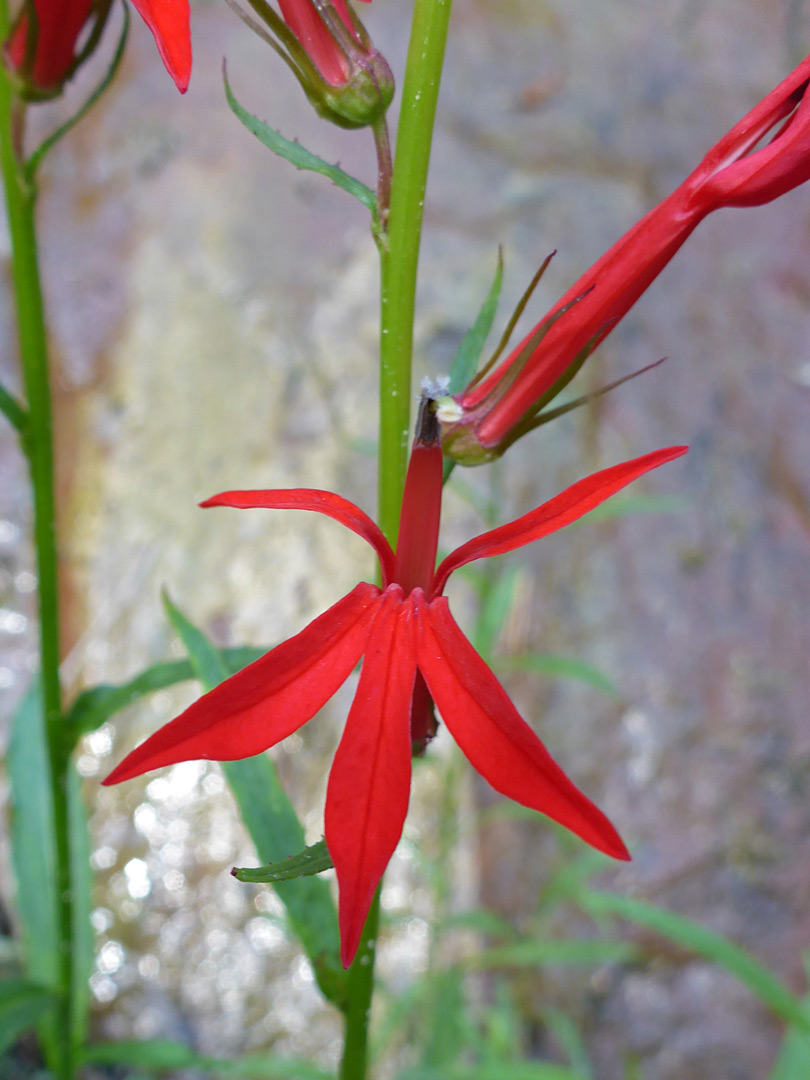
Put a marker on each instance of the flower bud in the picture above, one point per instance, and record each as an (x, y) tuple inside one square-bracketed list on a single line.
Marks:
[(324, 43), (42, 51)]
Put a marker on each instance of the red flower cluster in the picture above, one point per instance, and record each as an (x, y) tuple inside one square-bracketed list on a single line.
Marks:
[(738, 171), (413, 651)]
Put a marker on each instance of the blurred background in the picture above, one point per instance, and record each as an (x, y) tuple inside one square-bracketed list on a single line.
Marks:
[(214, 325)]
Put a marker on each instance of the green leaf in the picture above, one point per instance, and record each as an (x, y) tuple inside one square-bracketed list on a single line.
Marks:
[(163, 1055), (93, 707), (523, 1070), (706, 943), (576, 952), (33, 853), (446, 1036), (81, 879), (299, 156), (14, 410), (565, 666), (312, 860), (570, 1039), (496, 604), (468, 355), (793, 1062), (22, 1005), (630, 505), (274, 827)]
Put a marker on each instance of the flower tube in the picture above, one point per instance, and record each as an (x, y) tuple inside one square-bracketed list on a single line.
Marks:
[(500, 405), (414, 655)]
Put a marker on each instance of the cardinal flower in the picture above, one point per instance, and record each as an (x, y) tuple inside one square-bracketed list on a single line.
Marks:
[(169, 22), (494, 410), (413, 651)]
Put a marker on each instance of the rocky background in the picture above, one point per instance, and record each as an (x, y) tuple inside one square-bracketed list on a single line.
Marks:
[(214, 321)]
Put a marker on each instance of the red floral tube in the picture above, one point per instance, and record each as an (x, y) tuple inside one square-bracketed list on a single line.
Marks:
[(492, 411)]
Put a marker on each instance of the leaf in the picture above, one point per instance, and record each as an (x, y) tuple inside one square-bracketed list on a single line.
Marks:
[(33, 853), (298, 155), (568, 667), (569, 953), (93, 707), (706, 943), (312, 860), (81, 879), (468, 355), (523, 1070), (14, 410), (630, 505), (163, 1055), (446, 1035), (22, 1004), (793, 1062), (570, 1039), (274, 827)]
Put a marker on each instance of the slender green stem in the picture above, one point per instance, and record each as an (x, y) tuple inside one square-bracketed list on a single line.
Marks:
[(400, 261), (360, 990), (38, 445)]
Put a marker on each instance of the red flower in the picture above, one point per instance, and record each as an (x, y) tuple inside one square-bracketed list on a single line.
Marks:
[(494, 410), (404, 631), (42, 51), (169, 22)]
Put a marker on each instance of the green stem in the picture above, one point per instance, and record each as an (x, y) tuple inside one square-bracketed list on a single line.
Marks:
[(359, 992), (38, 445), (400, 261), (399, 255)]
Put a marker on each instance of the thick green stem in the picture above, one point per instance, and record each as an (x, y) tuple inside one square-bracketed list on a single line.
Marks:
[(400, 256), (38, 445), (360, 990)]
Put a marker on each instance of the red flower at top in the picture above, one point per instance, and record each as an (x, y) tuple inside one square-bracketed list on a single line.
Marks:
[(405, 633), (169, 22), (740, 170)]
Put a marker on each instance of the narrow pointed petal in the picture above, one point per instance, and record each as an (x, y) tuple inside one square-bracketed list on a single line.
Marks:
[(321, 502), (169, 22), (269, 699), (573, 503), (367, 795), (491, 734)]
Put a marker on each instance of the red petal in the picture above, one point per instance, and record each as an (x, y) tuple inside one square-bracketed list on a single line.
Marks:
[(367, 796), (269, 699), (493, 737), (169, 22), (573, 503), (322, 502)]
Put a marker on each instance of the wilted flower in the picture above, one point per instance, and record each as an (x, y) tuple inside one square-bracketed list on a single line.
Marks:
[(501, 404), (413, 654)]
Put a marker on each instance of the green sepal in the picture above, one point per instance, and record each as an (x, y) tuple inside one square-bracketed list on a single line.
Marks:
[(273, 824), (312, 860), (299, 156)]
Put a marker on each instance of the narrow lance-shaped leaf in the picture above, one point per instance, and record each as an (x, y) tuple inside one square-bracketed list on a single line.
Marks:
[(299, 156), (33, 854), (312, 860), (274, 828), (22, 1005), (706, 943), (468, 354)]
